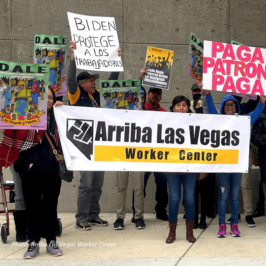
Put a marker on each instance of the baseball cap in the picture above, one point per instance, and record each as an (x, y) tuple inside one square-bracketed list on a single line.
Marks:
[(195, 87), (86, 75), (153, 88)]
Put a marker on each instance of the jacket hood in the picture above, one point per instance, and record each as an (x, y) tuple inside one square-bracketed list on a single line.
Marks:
[(226, 98)]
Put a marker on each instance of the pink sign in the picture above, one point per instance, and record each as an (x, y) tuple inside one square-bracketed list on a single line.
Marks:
[(234, 68)]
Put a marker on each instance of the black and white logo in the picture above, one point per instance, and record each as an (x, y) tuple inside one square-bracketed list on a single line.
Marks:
[(80, 133)]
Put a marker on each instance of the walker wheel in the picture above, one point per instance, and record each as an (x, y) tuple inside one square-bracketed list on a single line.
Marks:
[(4, 233), (59, 227)]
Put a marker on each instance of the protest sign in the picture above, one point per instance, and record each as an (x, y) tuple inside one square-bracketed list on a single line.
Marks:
[(120, 94), (23, 95), (159, 61), (195, 57), (50, 50), (234, 68), (96, 42), (247, 96), (124, 140)]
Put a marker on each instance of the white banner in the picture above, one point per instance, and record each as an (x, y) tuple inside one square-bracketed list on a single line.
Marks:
[(96, 42), (96, 139), (234, 68)]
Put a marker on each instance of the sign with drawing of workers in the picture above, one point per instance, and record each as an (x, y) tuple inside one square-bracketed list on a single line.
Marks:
[(23, 95), (120, 94), (51, 49), (96, 42), (159, 63), (195, 57)]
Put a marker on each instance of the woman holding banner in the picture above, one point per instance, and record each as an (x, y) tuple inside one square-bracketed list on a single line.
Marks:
[(35, 162), (230, 106), (181, 104)]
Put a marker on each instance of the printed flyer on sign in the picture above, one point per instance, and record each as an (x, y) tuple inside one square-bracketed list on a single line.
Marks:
[(159, 62), (23, 95), (234, 68), (50, 50), (195, 57), (120, 94), (96, 42), (125, 140)]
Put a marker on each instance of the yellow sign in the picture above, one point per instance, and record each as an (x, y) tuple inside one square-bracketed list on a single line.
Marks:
[(21, 122), (165, 155)]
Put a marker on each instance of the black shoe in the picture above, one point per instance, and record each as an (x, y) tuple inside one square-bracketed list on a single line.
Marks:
[(133, 220), (211, 215), (196, 224), (249, 221), (84, 226), (184, 217), (98, 221), (257, 213), (229, 220), (119, 224), (162, 216), (140, 223), (202, 225)]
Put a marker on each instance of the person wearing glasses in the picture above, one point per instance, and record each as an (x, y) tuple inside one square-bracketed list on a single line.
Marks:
[(230, 106)]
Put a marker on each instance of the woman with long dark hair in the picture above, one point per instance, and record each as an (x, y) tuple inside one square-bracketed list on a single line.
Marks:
[(36, 164)]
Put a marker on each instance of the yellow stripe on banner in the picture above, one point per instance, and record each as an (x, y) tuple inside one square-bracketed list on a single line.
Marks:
[(164, 155)]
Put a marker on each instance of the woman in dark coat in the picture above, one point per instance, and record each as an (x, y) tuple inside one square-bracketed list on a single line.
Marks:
[(258, 138)]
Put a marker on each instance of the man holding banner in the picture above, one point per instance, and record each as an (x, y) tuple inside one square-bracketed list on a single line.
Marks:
[(82, 92)]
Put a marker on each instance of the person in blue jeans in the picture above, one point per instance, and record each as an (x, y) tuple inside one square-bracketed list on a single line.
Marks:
[(230, 106), (181, 104)]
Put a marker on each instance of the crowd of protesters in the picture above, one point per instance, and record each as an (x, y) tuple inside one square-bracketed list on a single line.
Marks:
[(30, 155)]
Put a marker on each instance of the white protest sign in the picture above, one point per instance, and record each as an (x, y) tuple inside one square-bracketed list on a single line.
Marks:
[(125, 140), (234, 68), (96, 42)]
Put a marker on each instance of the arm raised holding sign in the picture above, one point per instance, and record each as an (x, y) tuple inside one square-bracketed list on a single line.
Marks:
[(81, 89), (229, 105)]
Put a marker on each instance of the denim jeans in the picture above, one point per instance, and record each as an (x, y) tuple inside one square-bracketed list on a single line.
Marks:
[(174, 184), (223, 182)]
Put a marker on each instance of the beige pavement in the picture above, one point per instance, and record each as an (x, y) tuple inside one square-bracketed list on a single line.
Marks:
[(106, 246)]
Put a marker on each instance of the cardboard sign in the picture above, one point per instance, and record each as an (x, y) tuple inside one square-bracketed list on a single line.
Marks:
[(96, 42), (234, 68), (195, 57), (159, 61), (23, 95), (120, 94), (123, 140), (50, 50)]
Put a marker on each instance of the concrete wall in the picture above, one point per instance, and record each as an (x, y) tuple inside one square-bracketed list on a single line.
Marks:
[(164, 24)]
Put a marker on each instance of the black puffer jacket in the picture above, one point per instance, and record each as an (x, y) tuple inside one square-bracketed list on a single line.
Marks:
[(258, 138)]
